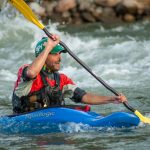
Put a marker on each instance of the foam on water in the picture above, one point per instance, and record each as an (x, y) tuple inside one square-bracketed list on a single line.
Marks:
[(120, 55), (110, 57), (6, 75), (79, 127), (116, 54)]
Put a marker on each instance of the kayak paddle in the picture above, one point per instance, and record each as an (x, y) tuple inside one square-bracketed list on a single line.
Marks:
[(27, 12)]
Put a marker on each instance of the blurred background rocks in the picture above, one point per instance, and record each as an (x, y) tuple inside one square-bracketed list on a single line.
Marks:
[(89, 11)]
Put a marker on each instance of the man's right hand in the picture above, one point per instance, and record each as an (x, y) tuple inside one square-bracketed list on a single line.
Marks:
[(119, 99), (50, 44)]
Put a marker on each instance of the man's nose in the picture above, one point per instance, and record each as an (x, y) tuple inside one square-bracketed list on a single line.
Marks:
[(59, 55)]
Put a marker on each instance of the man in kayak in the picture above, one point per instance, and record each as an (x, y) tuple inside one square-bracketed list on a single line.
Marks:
[(40, 85)]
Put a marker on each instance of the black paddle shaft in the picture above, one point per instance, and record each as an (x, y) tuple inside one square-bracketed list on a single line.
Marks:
[(88, 69)]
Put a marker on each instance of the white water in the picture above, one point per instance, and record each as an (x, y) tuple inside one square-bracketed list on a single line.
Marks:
[(120, 55)]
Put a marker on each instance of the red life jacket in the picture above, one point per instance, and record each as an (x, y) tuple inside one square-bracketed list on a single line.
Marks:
[(43, 92), (38, 83)]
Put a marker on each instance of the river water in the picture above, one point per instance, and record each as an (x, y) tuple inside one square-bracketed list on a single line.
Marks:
[(119, 54)]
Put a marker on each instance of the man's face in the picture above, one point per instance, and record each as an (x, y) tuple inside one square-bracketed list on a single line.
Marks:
[(53, 61)]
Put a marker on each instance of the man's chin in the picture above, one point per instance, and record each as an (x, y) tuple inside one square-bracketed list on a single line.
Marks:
[(56, 69)]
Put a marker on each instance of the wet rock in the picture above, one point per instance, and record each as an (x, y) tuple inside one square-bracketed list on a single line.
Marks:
[(40, 11), (67, 19), (109, 16), (107, 3), (101, 2), (113, 3), (66, 14), (131, 6), (98, 13), (65, 5), (49, 6), (84, 5), (129, 18), (77, 21), (120, 9), (88, 17), (145, 3), (109, 11), (84, 11)]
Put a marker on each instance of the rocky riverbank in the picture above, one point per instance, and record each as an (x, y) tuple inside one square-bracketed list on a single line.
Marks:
[(89, 11)]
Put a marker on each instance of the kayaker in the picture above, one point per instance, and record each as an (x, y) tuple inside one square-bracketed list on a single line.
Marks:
[(39, 84)]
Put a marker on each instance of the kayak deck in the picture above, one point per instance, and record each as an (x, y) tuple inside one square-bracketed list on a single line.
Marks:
[(50, 120)]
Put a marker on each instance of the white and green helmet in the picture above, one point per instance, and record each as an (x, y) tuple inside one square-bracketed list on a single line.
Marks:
[(40, 47)]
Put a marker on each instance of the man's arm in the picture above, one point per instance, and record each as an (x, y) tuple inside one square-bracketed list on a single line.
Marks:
[(35, 67), (92, 99)]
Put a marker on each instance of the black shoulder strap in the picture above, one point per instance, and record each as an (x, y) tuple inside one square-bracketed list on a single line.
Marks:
[(56, 78), (43, 76)]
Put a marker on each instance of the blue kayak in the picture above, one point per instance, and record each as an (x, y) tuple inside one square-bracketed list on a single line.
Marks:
[(52, 119)]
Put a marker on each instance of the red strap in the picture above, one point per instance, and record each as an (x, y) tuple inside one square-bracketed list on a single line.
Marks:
[(85, 108)]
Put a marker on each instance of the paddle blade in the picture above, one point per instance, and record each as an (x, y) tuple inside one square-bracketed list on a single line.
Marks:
[(26, 11), (142, 118)]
